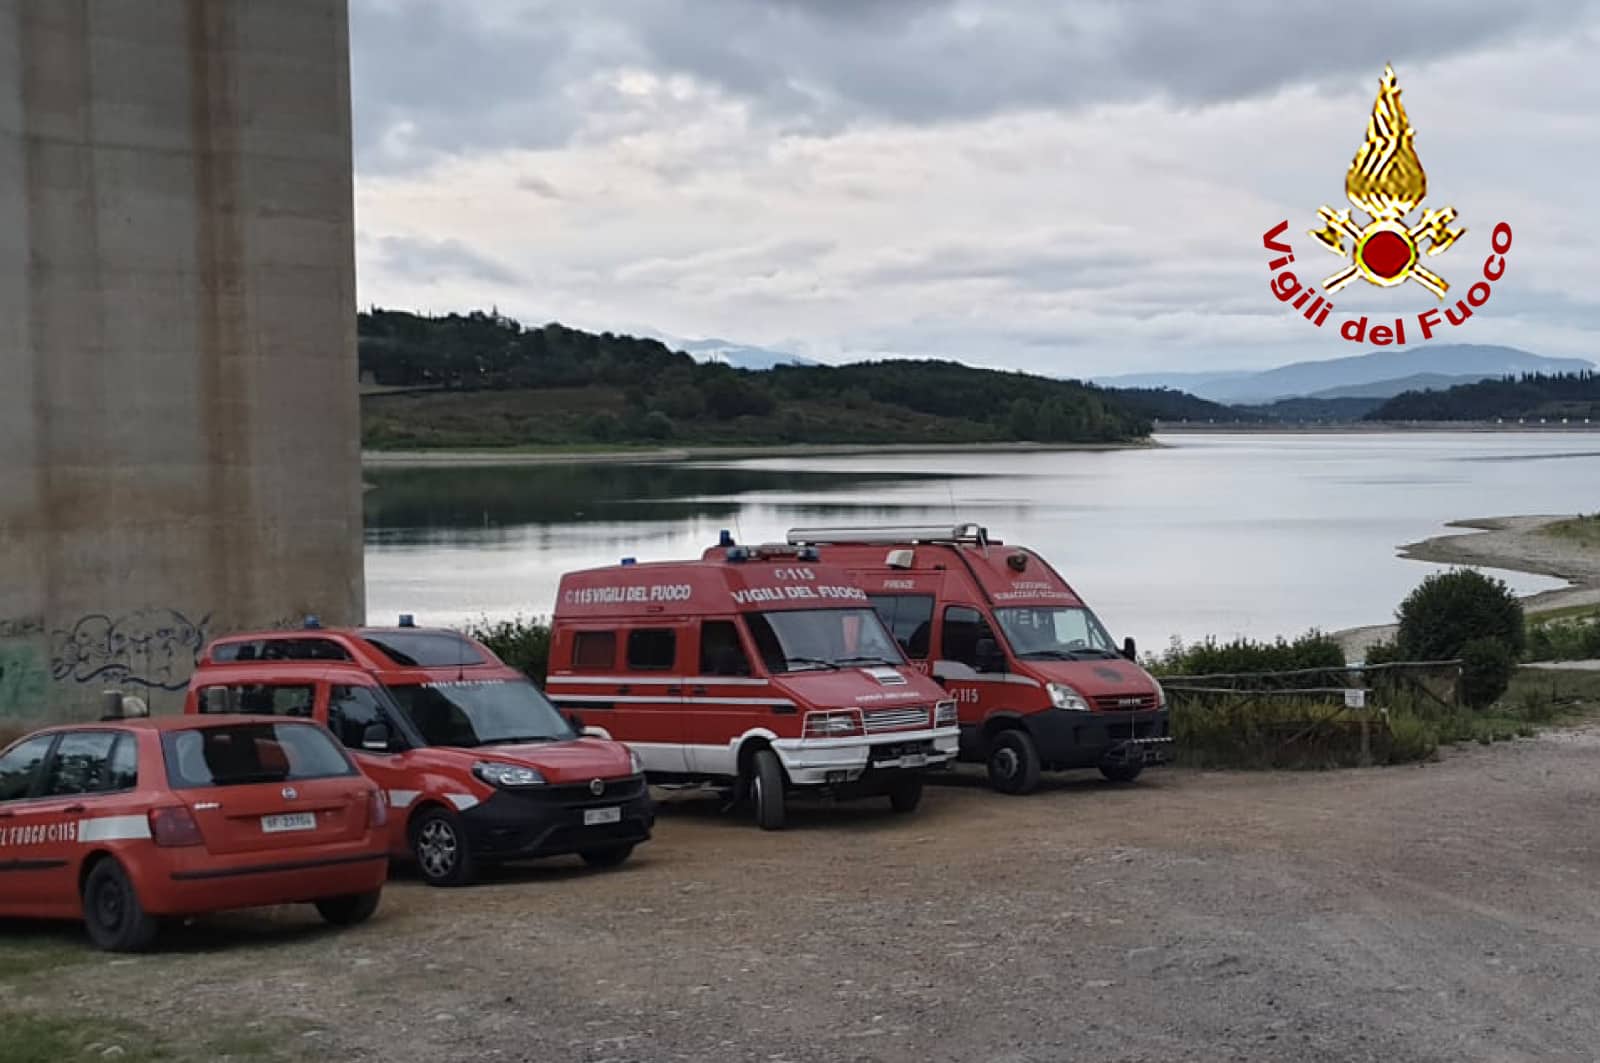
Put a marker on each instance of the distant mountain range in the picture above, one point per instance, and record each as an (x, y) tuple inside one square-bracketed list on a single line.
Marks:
[(1378, 374), (738, 355)]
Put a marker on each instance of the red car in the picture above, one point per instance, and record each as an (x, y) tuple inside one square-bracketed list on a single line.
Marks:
[(128, 821)]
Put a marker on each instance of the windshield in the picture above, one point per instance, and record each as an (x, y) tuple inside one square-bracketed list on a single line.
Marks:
[(470, 713), (810, 639), (1055, 632)]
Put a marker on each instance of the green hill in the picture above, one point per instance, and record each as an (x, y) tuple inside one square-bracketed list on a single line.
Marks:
[(1532, 395), (482, 380)]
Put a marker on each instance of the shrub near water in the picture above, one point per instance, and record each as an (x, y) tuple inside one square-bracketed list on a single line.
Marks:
[(1450, 609), (1311, 650), (521, 642)]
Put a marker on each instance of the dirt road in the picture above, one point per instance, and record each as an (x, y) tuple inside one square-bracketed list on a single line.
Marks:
[(1441, 912)]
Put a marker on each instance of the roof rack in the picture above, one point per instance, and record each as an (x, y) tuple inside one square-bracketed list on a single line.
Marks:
[(959, 533)]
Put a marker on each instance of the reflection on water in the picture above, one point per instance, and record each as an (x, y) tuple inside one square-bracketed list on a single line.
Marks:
[(1248, 534)]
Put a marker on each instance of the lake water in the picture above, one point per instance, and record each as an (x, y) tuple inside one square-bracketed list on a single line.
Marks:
[(1246, 534)]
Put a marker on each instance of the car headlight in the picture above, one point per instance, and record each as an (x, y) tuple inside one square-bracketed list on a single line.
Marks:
[(635, 763), (1064, 697), (512, 775), (1161, 694), (945, 714)]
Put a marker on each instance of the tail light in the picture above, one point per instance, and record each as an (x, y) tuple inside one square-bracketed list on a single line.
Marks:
[(174, 828), (944, 714), (378, 812), (839, 723)]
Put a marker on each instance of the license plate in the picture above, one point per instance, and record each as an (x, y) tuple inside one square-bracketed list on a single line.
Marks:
[(594, 817), (289, 821), (913, 760)]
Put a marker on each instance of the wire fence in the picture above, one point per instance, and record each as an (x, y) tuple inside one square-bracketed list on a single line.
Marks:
[(1306, 716)]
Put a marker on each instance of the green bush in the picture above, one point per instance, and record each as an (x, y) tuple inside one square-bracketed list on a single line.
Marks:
[(1450, 609), (522, 642), (1574, 639), (1486, 668), (1410, 739), (1311, 650), (1384, 651)]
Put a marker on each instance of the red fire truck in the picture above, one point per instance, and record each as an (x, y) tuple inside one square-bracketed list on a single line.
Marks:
[(1040, 684), (756, 669)]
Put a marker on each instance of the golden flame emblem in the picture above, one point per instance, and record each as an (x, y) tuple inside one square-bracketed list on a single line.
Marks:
[(1386, 180)]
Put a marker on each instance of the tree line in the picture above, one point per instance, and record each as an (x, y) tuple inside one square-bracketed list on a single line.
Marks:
[(1551, 395), (665, 394)]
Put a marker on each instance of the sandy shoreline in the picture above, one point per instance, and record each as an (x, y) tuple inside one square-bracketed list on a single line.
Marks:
[(1515, 543), (647, 455)]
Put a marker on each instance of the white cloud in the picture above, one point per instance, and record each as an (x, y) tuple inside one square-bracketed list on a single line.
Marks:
[(946, 181)]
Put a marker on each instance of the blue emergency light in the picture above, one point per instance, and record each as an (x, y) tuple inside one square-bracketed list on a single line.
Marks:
[(407, 620), (630, 561), (312, 623), (726, 538)]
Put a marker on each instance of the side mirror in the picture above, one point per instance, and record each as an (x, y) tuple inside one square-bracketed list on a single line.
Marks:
[(1130, 650), (377, 738), (575, 722)]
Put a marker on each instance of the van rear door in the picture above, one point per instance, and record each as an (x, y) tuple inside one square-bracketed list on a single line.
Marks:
[(267, 786)]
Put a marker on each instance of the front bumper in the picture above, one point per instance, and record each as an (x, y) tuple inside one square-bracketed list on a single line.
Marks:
[(1068, 740), (835, 761), (550, 821)]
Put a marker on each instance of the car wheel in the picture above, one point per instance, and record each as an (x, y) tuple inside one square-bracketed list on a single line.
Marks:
[(351, 910), (906, 795), (1013, 763), (441, 849), (766, 789), (1123, 772), (611, 857), (115, 919)]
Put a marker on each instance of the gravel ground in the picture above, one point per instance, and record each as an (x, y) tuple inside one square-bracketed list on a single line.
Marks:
[(1438, 912)]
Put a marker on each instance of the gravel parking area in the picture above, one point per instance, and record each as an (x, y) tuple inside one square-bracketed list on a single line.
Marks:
[(1441, 912)]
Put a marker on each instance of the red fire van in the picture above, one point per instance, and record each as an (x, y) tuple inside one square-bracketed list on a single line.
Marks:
[(478, 766), (755, 668), (1040, 684)]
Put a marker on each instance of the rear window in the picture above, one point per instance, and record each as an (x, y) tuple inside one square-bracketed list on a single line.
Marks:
[(258, 699), (652, 649), (425, 649), (595, 650), (240, 754)]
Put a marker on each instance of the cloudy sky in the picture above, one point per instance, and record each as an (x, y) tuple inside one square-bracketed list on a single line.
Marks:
[(1076, 187)]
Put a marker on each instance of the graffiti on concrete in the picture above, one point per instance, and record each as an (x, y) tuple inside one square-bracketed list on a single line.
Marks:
[(154, 648), (23, 682)]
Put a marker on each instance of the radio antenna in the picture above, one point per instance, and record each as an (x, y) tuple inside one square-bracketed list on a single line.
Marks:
[(954, 518), (736, 529)]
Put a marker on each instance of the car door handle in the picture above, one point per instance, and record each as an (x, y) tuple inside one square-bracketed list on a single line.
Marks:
[(624, 689), (697, 690), (674, 690)]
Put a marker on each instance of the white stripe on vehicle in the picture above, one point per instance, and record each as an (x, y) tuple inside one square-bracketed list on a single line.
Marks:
[(638, 681), (403, 798), (113, 828), (616, 699), (462, 801)]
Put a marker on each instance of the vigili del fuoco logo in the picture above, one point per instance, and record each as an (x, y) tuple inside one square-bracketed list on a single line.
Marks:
[(1385, 183)]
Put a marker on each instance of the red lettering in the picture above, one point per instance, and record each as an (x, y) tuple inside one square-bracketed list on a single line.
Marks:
[(1489, 274), (1360, 331), (1494, 239), (1284, 285), (1450, 312), (1382, 335), (1399, 332), (1270, 239), (1427, 320), (1474, 298)]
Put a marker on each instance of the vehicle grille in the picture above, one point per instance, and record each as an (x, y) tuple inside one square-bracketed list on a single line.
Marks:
[(894, 719), (580, 794), (1125, 702)]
